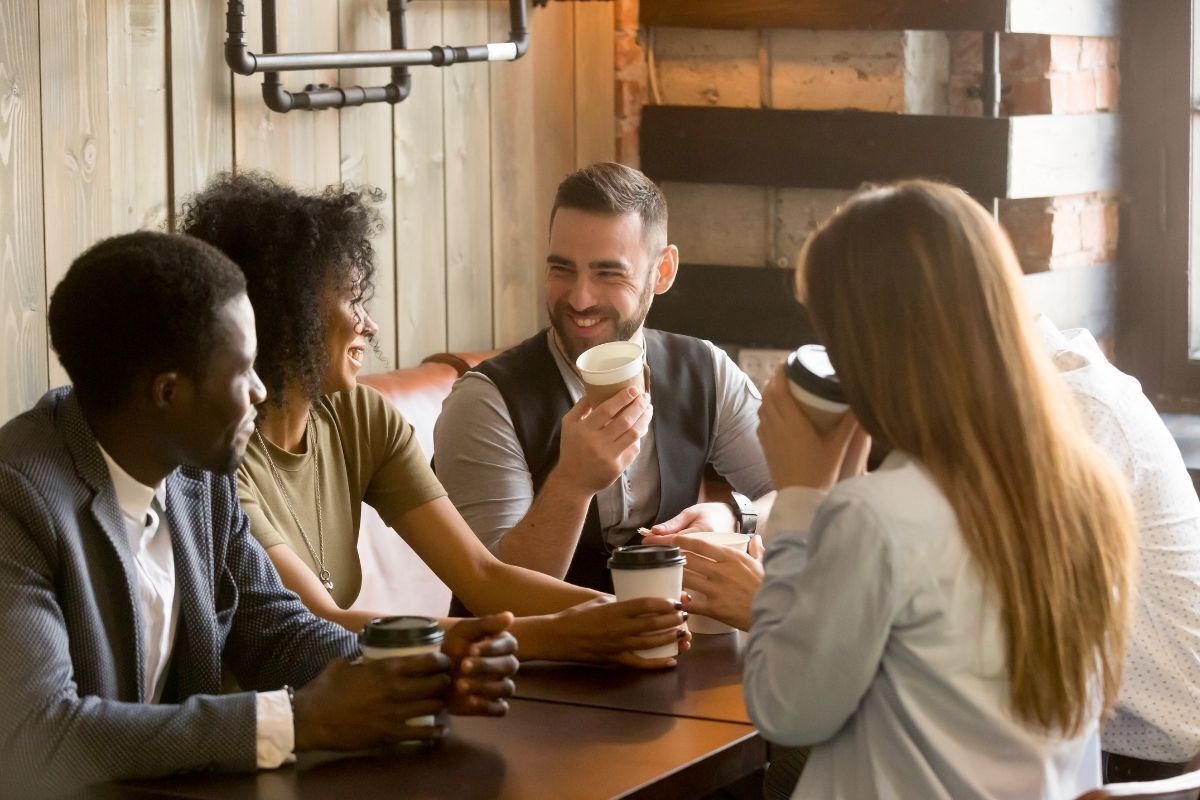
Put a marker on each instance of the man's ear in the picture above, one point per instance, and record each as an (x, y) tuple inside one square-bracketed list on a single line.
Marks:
[(666, 269), (169, 389)]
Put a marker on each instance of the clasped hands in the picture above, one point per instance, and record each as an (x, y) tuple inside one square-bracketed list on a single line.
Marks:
[(357, 706)]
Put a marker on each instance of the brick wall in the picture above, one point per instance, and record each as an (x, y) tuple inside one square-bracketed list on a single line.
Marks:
[(904, 72)]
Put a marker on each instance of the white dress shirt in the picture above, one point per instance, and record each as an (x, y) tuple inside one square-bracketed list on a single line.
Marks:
[(875, 641), (144, 511), (1158, 711)]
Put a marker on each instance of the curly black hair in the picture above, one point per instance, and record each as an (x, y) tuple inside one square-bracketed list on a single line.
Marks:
[(292, 246), (136, 305)]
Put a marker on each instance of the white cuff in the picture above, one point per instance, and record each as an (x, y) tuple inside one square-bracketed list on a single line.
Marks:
[(274, 730), (793, 511)]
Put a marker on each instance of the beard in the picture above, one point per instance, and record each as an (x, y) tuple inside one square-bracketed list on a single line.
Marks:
[(623, 329)]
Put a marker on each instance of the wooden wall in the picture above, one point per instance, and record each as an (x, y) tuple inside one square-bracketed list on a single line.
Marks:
[(114, 111)]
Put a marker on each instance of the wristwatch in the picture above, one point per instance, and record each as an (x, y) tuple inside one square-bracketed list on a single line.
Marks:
[(743, 512)]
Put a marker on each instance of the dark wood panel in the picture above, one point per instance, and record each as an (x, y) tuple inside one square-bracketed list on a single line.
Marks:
[(822, 149), (1011, 157), (538, 750), (742, 306), (1081, 18)]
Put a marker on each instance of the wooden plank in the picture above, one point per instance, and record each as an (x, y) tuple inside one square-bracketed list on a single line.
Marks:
[(468, 183), (822, 149), (23, 350), (202, 97), (137, 81), (366, 159), (77, 193), (298, 147), (553, 54), (1064, 154), (419, 191), (595, 85), (1072, 17), (743, 306), (516, 228)]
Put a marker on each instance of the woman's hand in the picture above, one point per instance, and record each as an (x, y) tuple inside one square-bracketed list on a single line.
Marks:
[(724, 578), (603, 631), (483, 654), (796, 454)]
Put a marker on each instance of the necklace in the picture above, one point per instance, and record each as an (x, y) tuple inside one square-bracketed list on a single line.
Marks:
[(318, 555)]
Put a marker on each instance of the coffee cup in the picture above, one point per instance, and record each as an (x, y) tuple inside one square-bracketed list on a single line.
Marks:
[(698, 623), (610, 367), (815, 386), (397, 637), (649, 570)]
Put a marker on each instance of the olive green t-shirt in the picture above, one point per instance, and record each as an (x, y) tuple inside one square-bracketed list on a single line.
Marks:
[(368, 453)]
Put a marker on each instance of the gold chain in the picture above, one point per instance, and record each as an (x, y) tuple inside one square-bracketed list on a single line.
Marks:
[(318, 559)]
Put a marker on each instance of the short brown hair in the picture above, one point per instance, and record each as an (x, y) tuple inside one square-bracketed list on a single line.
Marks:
[(610, 188)]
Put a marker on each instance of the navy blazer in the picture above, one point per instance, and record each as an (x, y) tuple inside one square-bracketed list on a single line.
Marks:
[(72, 710)]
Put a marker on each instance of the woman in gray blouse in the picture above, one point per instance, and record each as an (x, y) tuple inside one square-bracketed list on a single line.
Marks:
[(950, 625)]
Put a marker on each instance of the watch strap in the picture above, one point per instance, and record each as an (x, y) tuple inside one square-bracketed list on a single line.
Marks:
[(744, 512)]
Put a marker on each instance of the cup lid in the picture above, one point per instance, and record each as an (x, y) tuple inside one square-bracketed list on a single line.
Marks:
[(400, 632), (646, 556), (810, 369)]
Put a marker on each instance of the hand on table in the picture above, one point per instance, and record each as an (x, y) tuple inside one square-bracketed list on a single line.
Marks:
[(797, 454), (606, 631), (598, 444), (360, 706), (700, 517), (483, 656), (726, 578)]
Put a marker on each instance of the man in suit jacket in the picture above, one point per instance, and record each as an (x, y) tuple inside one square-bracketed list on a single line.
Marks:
[(127, 574)]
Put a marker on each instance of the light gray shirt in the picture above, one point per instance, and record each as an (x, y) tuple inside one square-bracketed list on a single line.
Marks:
[(875, 641), (482, 466), (1158, 710)]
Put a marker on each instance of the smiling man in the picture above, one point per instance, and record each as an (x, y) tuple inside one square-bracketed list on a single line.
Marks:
[(550, 483)]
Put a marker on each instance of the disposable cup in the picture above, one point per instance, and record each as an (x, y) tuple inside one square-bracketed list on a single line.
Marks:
[(397, 637), (608, 368), (698, 623), (815, 386), (649, 570)]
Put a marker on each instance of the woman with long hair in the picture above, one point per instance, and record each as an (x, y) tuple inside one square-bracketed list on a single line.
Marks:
[(324, 444), (953, 623)]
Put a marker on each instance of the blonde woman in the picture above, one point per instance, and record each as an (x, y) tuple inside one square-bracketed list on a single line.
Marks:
[(952, 624)]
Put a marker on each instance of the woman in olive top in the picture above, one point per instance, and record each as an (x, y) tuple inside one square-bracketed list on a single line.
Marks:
[(324, 444)]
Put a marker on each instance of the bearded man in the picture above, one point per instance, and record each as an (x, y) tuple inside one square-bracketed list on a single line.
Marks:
[(547, 481)]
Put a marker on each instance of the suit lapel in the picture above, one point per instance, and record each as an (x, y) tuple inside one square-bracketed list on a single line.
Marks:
[(107, 515), (189, 517)]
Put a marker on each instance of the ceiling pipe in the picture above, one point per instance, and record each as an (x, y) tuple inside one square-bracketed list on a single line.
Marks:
[(270, 62)]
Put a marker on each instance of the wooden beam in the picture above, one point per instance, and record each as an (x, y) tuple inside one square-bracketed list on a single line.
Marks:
[(1072, 17), (743, 306), (1009, 157)]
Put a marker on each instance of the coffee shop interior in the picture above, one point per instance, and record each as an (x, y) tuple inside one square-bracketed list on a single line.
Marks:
[(985, 208)]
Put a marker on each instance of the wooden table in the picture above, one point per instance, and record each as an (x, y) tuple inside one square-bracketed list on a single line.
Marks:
[(707, 684), (540, 750)]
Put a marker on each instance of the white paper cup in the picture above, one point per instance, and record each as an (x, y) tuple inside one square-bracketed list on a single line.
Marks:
[(698, 623), (397, 637), (814, 384), (648, 570), (608, 368)]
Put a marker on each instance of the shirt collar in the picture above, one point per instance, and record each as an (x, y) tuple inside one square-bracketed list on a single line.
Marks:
[(133, 497)]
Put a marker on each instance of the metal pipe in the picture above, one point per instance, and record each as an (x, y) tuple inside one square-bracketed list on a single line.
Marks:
[(270, 62)]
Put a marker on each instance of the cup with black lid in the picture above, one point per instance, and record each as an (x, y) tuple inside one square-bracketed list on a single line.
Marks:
[(396, 637), (649, 570), (815, 386)]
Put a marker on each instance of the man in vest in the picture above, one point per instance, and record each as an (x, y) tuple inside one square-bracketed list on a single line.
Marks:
[(550, 483)]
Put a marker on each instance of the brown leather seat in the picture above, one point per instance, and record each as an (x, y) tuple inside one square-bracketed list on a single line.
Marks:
[(395, 579)]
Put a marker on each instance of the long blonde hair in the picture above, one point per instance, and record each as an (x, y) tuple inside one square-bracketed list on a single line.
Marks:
[(917, 294)]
